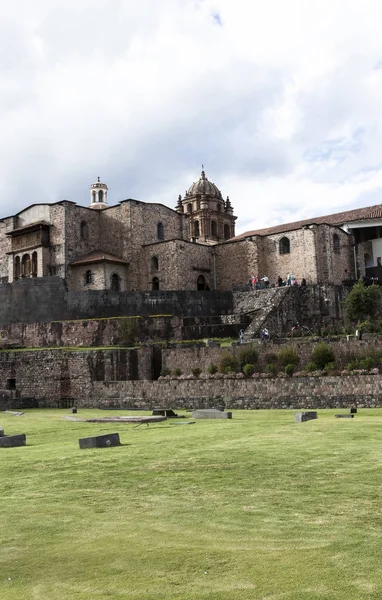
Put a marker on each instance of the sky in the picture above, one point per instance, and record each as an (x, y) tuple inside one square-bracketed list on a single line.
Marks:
[(280, 100)]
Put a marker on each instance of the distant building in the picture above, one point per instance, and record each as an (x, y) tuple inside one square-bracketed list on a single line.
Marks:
[(135, 245)]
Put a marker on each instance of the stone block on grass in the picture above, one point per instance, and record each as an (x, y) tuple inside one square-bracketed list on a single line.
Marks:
[(301, 417), (100, 441), (12, 441), (2, 432), (210, 413), (353, 411), (344, 416)]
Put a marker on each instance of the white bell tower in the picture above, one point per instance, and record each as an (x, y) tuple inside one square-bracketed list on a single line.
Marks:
[(98, 195)]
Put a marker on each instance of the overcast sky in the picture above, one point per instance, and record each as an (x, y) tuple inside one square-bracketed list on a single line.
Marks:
[(281, 100)]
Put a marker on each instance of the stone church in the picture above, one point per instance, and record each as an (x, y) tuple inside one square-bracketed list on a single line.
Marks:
[(140, 246)]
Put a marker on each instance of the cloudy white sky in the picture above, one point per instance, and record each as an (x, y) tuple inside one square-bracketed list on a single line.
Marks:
[(281, 100)]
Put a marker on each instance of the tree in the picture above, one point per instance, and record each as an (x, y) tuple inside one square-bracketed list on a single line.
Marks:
[(363, 303)]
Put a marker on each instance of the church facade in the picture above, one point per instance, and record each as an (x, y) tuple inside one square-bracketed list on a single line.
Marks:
[(139, 246)]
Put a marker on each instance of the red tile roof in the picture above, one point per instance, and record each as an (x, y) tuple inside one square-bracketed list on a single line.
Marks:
[(98, 256), (357, 214)]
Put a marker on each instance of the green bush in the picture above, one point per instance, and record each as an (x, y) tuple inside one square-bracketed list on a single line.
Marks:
[(311, 367), (248, 356), (288, 356), (212, 369), (177, 372), (228, 363), (329, 367), (196, 371), (289, 369), (366, 363), (248, 370), (271, 369), (322, 355), (363, 303)]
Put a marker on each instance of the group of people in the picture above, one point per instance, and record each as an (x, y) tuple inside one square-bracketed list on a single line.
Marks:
[(257, 283)]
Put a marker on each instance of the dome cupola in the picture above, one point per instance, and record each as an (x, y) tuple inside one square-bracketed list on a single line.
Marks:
[(203, 187)]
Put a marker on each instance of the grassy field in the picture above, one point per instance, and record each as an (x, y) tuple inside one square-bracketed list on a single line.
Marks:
[(254, 508)]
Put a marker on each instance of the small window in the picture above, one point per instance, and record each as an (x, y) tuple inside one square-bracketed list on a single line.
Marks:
[(17, 267), (84, 230), (11, 383), (214, 229), (368, 261), (115, 283), (201, 284), (284, 245), (227, 232), (189, 208), (100, 196), (26, 266), (154, 263), (196, 229), (336, 244), (155, 284), (160, 231), (88, 277), (34, 264), (379, 264)]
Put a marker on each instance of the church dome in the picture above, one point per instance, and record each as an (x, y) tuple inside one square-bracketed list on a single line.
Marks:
[(204, 187)]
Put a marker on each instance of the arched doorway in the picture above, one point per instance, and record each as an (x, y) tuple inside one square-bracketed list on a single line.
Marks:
[(155, 284), (115, 282), (201, 284)]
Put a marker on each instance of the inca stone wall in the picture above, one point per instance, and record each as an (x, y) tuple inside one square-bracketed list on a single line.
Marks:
[(296, 393), (47, 299)]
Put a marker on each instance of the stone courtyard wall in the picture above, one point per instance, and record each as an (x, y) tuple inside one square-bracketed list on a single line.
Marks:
[(48, 299), (296, 393)]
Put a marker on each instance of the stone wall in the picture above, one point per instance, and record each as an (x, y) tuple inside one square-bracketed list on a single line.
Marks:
[(102, 378), (47, 299), (188, 358), (59, 378), (296, 393)]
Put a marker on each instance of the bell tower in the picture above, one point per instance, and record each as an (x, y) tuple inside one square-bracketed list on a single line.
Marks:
[(211, 219), (98, 195)]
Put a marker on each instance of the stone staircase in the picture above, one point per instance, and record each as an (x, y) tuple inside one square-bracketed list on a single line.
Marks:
[(259, 305)]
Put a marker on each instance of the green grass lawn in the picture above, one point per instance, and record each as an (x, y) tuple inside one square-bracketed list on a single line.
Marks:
[(254, 508)]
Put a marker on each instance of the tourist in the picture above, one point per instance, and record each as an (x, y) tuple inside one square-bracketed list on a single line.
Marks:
[(241, 336), (280, 282), (266, 281), (265, 335), (303, 282)]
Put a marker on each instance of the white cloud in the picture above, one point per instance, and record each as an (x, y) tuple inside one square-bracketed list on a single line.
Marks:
[(281, 102)]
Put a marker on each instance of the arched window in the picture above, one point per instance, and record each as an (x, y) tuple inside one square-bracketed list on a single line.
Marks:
[(26, 266), (34, 264), (154, 263), (115, 282), (93, 196), (100, 196), (284, 246), (189, 208), (17, 267), (201, 284), (227, 232), (155, 283), (214, 229), (336, 244), (84, 230), (160, 231), (196, 229), (89, 277)]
